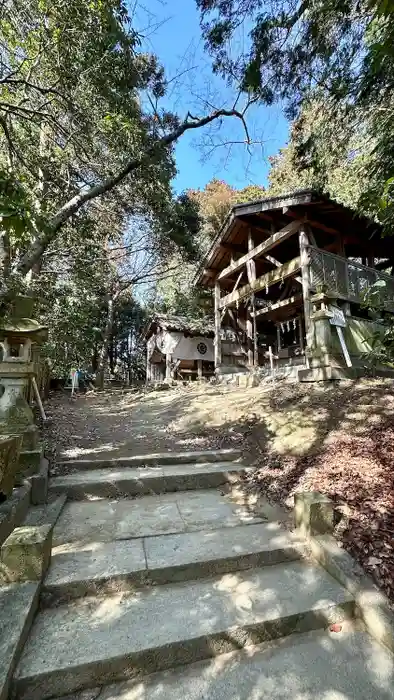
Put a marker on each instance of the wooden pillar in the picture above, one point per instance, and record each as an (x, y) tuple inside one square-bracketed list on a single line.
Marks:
[(301, 333), (305, 276), (148, 367), (256, 340), (251, 318), (218, 341), (278, 336), (199, 369), (371, 260), (168, 366), (249, 336)]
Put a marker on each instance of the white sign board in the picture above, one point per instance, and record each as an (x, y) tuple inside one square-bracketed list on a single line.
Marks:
[(338, 320), (337, 316)]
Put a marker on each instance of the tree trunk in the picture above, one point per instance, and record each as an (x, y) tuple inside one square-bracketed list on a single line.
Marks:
[(103, 356), (111, 355), (40, 244)]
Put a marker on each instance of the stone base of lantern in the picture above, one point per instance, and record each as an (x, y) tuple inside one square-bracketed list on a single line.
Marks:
[(10, 446), (29, 463)]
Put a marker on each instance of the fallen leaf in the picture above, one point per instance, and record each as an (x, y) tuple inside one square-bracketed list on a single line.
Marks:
[(373, 561)]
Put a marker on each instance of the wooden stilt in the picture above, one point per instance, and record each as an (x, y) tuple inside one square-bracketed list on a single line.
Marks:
[(271, 356), (304, 259), (199, 369), (278, 336), (218, 341), (255, 338), (249, 336), (301, 333), (251, 322)]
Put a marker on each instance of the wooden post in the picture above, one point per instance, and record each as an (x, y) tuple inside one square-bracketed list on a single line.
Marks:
[(249, 335), (301, 332), (168, 367), (255, 339), (251, 321), (305, 276), (199, 369), (271, 356), (218, 341), (371, 260), (278, 336), (148, 367), (38, 398)]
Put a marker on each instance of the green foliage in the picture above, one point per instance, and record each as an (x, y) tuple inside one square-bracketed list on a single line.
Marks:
[(382, 340), (17, 217), (333, 58), (78, 98), (176, 293)]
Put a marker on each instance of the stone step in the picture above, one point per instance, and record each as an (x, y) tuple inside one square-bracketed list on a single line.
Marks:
[(310, 666), (47, 513), (154, 459), (100, 567), (135, 481), (97, 641), (106, 520), (18, 604)]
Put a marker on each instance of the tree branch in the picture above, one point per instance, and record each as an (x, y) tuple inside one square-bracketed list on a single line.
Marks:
[(39, 246)]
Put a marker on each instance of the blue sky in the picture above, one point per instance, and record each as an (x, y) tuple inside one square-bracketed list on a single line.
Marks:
[(171, 29)]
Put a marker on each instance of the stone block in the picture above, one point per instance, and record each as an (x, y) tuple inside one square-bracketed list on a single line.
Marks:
[(10, 446), (325, 374), (372, 606), (18, 605), (14, 510), (39, 484), (30, 438), (26, 553), (313, 513), (29, 462)]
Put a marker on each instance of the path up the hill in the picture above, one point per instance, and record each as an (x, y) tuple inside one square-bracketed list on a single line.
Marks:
[(165, 585)]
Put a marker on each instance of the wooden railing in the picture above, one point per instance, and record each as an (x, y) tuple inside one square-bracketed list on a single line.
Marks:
[(347, 279)]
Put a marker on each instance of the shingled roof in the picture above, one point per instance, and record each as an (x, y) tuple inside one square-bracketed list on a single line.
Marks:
[(308, 203), (180, 324)]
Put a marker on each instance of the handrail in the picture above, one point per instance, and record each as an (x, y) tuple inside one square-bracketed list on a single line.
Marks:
[(351, 262), (348, 279)]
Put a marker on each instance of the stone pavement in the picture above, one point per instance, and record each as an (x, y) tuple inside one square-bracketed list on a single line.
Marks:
[(165, 585)]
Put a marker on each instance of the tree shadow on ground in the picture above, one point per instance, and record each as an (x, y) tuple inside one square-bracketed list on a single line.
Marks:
[(335, 438)]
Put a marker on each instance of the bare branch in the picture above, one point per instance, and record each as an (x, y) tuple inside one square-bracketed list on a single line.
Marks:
[(73, 205)]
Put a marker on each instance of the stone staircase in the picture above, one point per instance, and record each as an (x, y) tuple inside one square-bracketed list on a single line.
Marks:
[(164, 586)]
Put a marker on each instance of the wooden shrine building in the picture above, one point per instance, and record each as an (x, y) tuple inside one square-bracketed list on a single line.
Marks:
[(178, 348), (289, 276)]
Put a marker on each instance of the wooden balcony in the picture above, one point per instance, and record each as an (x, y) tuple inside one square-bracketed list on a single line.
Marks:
[(347, 279)]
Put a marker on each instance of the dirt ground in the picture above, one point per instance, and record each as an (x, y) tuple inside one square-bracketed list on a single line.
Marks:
[(335, 438)]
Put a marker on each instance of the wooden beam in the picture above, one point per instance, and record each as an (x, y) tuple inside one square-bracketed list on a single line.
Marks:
[(251, 265), (313, 222), (279, 304), (238, 281), (262, 248), (232, 247), (218, 341), (260, 229), (287, 270)]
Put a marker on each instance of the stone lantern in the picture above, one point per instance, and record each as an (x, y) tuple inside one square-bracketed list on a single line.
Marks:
[(18, 334)]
